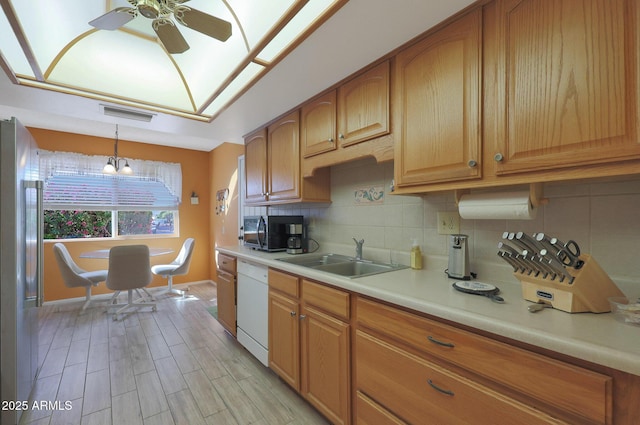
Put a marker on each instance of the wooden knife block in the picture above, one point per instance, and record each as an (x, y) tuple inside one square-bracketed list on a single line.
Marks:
[(589, 291)]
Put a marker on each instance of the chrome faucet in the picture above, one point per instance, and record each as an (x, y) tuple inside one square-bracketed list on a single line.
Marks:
[(359, 244)]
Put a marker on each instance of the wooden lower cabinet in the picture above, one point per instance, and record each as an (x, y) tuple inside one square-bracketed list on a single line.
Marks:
[(325, 364), (309, 342), (361, 361), (418, 367), (284, 340), (562, 386), (420, 391), (226, 295), (226, 288), (368, 412)]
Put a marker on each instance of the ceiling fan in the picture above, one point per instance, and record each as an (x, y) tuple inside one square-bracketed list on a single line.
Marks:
[(160, 11)]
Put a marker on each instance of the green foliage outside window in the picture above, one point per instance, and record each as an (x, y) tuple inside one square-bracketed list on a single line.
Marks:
[(134, 222), (68, 224), (65, 224)]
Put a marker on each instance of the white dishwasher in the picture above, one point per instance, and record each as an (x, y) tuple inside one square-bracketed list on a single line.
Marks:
[(253, 309)]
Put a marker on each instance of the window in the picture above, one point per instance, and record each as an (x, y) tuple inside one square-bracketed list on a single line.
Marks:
[(82, 202)]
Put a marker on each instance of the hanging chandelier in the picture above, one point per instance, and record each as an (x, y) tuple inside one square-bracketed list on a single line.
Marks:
[(113, 162)]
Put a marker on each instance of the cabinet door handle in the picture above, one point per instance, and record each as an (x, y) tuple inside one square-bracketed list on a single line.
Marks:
[(303, 316), (293, 314), (330, 140), (498, 157), (437, 388), (472, 163), (341, 136), (444, 344)]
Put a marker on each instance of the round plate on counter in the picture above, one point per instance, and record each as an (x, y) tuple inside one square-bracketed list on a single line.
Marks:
[(478, 288)]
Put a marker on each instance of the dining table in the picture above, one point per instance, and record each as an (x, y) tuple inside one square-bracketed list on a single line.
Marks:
[(104, 253)]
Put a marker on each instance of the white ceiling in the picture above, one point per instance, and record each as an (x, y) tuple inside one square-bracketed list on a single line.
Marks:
[(359, 33)]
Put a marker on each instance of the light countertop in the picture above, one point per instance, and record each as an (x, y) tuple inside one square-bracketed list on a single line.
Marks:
[(597, 338)]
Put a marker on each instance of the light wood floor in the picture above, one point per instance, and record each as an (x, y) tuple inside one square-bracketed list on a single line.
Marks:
[(174, 366)]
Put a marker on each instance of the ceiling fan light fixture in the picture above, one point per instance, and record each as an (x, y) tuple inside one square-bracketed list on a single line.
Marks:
[(149, 8)]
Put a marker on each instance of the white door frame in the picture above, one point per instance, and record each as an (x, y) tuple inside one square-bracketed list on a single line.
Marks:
[(241, 196)]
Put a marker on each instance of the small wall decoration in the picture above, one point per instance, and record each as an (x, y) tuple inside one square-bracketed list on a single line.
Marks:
[(369, 195), (221, 201)]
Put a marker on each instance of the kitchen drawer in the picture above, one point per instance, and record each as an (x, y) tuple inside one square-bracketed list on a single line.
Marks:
[(331, 300), (570, 388), (368, 412), (227, 263), (419, 391), (284, 282)]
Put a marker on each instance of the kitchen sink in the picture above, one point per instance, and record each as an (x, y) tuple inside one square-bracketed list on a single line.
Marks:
[(316, 260), (342, 265)]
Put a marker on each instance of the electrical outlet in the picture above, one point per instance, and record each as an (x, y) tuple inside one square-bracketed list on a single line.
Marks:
[(448, 223)]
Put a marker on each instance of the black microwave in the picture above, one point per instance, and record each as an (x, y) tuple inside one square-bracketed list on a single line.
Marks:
[(268, 232)]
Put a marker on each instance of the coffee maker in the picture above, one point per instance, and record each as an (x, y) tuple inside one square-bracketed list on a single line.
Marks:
[(459, 257), (297, 239)]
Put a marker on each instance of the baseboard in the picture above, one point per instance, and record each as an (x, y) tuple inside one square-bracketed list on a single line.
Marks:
[(106, 297)]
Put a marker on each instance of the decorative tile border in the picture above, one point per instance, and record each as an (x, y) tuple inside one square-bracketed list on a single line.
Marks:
[(369, 195)]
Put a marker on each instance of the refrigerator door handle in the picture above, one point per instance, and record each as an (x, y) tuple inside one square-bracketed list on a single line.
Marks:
[(37, 301)]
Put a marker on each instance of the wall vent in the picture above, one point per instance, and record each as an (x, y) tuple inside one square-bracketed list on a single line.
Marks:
[(131, 114)]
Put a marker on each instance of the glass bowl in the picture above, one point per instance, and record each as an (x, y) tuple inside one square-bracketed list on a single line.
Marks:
[(625, 310)]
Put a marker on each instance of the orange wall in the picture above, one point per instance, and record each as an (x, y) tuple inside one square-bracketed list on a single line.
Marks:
[(224, 169), (195, 220)]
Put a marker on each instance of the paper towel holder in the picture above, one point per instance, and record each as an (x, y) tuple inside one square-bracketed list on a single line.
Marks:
[(536, 194)]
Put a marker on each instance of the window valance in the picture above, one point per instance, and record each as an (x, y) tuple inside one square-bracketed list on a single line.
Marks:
[(74, 180)]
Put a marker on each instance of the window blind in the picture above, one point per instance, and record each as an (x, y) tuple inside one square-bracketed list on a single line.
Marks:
[(104, 193), (75, 181)]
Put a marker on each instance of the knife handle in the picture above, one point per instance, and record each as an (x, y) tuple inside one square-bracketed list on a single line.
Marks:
[(545, 241), (532, 242)]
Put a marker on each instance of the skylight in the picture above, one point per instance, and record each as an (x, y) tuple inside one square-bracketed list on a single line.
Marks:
[(51, 45)]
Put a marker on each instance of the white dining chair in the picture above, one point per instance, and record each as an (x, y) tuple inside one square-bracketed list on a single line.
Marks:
[(74, 276), (129, 270), (179, 266)]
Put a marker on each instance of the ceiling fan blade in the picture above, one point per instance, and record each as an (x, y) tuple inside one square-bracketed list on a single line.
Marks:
[(170, 36), (202, 22), (114, 19)]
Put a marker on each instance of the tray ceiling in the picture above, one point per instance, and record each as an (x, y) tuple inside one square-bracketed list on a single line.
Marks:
[(51, 45)]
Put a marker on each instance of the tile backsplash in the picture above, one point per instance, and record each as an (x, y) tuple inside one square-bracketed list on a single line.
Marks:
[(602, 217)]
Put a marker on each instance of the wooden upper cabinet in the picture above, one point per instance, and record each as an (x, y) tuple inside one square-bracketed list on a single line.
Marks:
[(567, 82), (272, 159), (283, 153), (438, 105), (363, 106), (255, 150), (349, 122), (318, 125)]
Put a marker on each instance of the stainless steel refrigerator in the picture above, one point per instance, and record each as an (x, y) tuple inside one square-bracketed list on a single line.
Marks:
[(21, 229)]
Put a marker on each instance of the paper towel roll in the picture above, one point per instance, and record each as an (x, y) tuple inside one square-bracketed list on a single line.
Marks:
[(496, 206)]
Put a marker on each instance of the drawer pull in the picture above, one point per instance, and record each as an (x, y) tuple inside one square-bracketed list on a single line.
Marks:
[(444, 344), (437, 388), (293, 314)]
